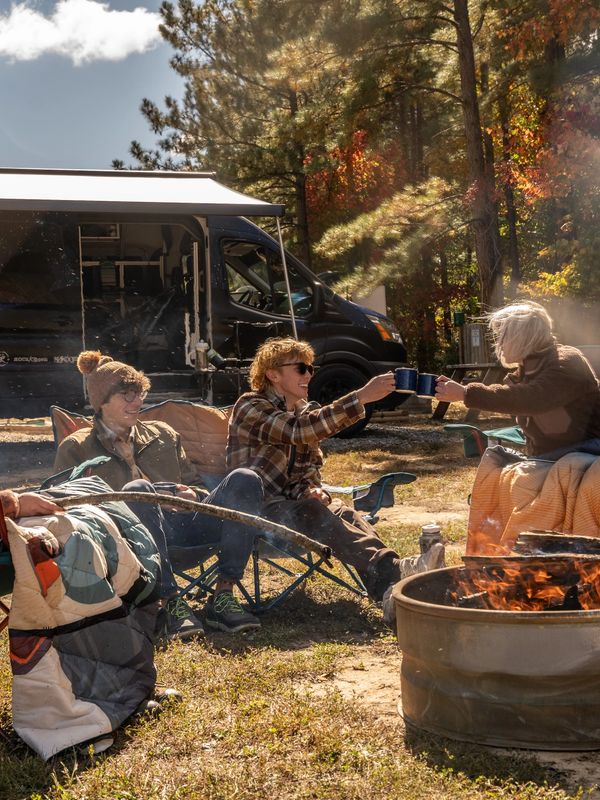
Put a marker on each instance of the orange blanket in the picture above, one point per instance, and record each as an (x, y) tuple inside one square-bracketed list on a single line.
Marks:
[(508, 499)]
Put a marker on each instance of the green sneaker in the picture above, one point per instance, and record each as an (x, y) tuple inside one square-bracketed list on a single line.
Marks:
[(224, 613), (180, 620)]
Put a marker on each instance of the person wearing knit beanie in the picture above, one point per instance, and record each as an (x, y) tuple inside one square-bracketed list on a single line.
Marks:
[(105, 377), (131, 454)]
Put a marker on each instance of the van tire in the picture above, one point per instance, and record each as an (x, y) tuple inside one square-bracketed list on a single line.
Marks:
[(333, 381)]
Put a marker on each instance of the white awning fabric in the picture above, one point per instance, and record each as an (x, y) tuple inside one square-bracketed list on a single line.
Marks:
[(121, 191)]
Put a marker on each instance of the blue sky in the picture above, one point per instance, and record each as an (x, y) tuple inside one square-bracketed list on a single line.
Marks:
[(73, 75)]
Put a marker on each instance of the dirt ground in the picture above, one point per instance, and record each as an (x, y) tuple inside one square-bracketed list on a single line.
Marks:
[(26, 457), (370, 676)]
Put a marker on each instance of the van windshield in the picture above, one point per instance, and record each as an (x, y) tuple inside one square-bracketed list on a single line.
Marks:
[(255, 279)]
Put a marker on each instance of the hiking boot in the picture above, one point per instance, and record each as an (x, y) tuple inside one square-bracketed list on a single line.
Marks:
[(434, 558), (224, 613), (180, 621)]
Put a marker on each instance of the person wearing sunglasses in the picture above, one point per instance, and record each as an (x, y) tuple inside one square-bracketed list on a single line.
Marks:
[(149, 457), (275, 432)]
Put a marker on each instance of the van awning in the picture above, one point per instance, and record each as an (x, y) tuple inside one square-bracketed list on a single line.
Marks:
[(124, 191)]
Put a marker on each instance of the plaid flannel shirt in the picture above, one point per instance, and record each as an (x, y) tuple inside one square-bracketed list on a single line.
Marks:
[(283, 446)]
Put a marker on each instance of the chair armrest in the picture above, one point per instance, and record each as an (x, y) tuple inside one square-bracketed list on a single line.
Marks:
[(380, 494), (370, 497)]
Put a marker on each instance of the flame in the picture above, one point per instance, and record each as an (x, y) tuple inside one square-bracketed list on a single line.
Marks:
[(533, 583)]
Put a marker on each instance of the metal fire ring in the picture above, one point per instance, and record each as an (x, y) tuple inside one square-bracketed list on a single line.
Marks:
[(528, 679)]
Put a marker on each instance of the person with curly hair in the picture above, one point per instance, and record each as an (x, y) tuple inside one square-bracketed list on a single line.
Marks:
[(275, 432)]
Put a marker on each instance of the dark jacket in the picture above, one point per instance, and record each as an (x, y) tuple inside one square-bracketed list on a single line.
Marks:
[(157, 447), (555, 397)]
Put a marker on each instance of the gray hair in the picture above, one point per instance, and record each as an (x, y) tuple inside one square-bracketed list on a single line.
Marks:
[(519, 330)]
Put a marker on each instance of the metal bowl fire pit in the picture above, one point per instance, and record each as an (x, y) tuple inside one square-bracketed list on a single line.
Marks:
[(526, 679)]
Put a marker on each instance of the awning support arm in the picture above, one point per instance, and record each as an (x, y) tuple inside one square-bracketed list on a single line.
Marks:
[(287, 280)]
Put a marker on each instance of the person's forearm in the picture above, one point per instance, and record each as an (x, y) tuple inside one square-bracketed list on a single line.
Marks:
[(520, 398), (269, 425)]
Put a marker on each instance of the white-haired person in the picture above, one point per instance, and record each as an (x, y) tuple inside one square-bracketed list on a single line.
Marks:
[(552, 391)]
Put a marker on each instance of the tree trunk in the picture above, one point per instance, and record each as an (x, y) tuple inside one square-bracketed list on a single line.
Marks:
[(485, 225), (300, 190), (444, 283), (509, 198), (302, 223)]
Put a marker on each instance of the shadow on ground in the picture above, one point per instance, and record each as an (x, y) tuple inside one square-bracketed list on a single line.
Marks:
[(477, 762)]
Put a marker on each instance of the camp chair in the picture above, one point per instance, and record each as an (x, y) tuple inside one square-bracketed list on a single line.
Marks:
[(475, 440), (203, 431)]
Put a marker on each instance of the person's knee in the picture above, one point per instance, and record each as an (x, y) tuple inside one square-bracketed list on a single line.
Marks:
[(139, 485), (246, 483)]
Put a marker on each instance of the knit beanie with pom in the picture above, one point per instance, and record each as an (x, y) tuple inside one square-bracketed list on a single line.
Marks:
[(105, 377)]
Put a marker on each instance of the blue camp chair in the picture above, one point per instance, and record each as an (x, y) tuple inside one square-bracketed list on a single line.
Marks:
[(476, 440)]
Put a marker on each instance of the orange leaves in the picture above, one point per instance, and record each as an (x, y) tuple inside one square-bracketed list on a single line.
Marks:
[(354, 179), (559, 20)]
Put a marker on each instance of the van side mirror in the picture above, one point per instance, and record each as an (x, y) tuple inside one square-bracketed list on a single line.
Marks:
[(318, 301)]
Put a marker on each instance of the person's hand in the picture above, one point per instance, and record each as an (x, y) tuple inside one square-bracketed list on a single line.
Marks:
[(317, 493), (32, 504), (377, 388), (185, 492), (449, 391)]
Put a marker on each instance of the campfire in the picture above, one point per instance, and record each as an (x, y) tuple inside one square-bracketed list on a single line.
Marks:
[(505, 650)]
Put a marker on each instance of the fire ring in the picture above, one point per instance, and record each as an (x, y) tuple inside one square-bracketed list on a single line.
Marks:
[(525, 679)]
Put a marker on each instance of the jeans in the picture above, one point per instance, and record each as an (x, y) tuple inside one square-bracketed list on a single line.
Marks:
[(241, 490)]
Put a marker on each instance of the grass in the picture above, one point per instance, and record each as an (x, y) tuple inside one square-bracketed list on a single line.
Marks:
[(262, 716)]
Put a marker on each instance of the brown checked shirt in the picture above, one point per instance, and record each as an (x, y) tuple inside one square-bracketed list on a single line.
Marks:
[(283, 446)]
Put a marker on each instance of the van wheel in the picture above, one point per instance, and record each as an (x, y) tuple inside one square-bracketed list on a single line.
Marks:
[(331, 382)]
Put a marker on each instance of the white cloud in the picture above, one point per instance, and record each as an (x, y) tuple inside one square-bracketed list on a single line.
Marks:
[(82, 30)]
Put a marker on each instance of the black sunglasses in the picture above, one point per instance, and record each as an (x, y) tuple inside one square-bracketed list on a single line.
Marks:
[(301, 367)]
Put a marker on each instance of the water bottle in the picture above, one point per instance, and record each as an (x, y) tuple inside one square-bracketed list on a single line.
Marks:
[(430, 534), (202, 354)]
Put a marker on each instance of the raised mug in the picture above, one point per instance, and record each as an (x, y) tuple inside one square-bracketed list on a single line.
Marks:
[(406, 380), (426, 384)]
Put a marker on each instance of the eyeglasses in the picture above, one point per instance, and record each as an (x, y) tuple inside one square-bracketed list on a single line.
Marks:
[(301, 367), (132, 394)]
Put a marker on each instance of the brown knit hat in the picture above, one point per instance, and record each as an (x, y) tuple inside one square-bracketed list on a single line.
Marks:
[(105, 377)]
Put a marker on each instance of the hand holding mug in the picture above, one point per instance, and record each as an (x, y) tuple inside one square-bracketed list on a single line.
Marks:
[(449, 391), (377, 388)]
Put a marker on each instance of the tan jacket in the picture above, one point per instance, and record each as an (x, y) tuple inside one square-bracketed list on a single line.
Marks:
[(157, 450)]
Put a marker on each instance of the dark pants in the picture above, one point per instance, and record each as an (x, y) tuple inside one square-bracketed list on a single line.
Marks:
[(241, 490), (350, 537)]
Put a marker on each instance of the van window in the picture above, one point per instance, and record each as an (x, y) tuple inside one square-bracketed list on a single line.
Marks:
[(255, 279), (39, 264), (138, 288)]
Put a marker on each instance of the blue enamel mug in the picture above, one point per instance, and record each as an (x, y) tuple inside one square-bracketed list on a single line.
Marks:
[(426, 384), (406, 380)]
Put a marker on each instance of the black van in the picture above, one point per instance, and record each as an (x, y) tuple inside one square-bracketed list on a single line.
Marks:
[(142, 267)]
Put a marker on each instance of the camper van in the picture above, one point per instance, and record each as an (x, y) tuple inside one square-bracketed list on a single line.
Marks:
[(164, 271)]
